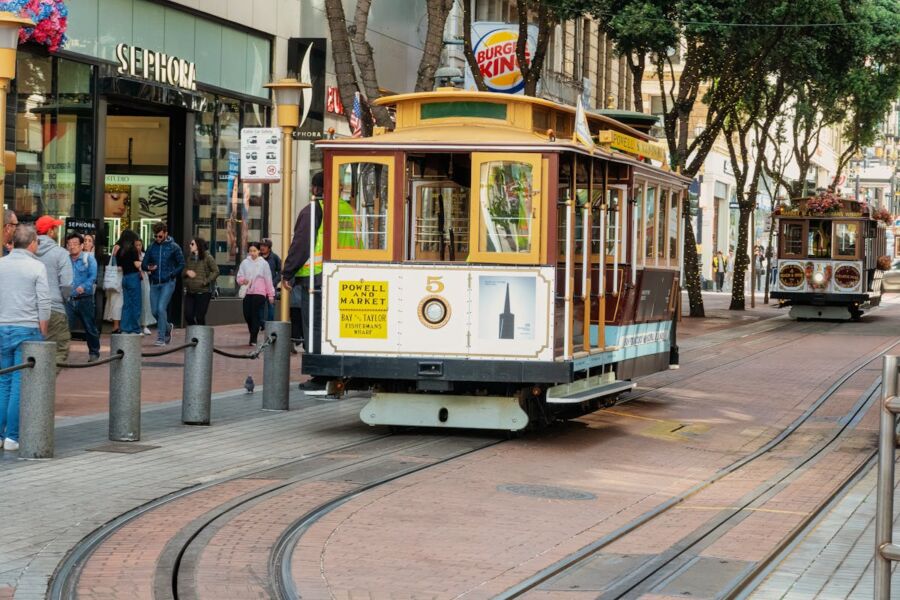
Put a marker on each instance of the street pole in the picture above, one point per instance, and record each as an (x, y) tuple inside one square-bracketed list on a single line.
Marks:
[(9, 44), (753, 257), (287, 211), (288, 94)]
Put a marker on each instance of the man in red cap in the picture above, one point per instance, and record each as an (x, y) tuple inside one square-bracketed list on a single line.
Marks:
[(59, 277)]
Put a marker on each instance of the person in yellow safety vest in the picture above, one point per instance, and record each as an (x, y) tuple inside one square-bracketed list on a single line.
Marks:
[(295, 277)]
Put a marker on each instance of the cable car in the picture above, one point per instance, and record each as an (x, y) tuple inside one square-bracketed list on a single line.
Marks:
[(831, 257), (481, 269)]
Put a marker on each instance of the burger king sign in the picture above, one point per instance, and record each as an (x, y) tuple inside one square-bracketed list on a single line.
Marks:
[(494, 46)]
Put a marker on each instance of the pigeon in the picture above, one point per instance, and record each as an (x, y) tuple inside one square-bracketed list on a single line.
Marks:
[(248, 384)]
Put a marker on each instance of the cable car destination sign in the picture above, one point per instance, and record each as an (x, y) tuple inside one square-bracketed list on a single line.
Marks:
[(631, 145), (156, 66)]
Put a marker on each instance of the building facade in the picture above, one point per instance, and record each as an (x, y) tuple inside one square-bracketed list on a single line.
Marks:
[(137, 119)]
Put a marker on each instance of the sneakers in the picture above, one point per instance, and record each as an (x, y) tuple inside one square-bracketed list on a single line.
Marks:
[(93, 358), (9, 444), (146, 331), (169, 333), (295, 348), (159, 343)]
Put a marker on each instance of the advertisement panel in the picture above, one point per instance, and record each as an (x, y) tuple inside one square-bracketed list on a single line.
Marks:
[(306, 58), (494, 46)]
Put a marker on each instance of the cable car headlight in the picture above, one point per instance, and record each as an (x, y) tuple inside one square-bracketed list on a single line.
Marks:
[(819, 278), (434, 311)]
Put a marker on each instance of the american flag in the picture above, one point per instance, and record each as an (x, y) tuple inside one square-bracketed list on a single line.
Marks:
[(356, 117)]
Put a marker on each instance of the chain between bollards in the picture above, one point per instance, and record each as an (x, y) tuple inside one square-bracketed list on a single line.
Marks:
[(29, 364)]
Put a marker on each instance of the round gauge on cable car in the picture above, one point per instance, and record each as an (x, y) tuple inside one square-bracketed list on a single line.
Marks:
[(434, 312)]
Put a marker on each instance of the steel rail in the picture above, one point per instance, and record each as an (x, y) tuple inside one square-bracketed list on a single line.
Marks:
[(65, 578), (281, 555), (589, 550)]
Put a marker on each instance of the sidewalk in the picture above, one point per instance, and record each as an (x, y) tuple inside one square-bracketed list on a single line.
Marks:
[(82, 392)]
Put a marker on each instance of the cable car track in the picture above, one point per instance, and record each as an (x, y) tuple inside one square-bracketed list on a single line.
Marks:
[(64, 583), (640, 580)]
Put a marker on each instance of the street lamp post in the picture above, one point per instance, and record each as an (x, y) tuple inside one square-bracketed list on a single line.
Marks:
[(287, 102), (9, 43)]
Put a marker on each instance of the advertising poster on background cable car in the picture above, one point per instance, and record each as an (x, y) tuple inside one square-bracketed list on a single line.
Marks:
[(494, 46), (437, 311)]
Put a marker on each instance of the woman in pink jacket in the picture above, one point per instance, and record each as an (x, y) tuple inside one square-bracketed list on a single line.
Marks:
[(255, 278)]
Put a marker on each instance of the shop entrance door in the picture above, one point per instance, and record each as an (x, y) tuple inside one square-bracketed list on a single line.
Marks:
[(136, 180)]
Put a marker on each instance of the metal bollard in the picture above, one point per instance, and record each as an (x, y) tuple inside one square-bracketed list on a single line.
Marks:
[(125, 388), (884, 495), (197, 389), (37, 400), (277, 367)]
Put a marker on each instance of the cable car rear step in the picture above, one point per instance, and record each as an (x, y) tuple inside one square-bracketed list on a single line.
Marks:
[(588, 389)]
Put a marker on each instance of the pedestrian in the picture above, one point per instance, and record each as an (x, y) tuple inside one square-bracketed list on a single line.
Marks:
[(89, 242), (165, 262), (59, 278), (729, 271), (719, 267), (147, 319), (24, 316), (255, 280), (10, 220), (296, 271), (200, 274), (265, 251), (760, 267), (127, 257), (80, 306)]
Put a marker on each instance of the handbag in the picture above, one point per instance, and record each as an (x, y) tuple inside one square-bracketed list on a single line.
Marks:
[(242, 291), (112, 276)]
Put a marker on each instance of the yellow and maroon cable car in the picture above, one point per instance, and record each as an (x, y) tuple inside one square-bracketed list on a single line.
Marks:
[(483, 270)]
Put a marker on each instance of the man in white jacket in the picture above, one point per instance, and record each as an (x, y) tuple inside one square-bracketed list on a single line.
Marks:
[(59, 278), (24, 316)]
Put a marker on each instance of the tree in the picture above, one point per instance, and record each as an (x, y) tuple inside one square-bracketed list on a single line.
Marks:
[(718, 61), (438, 11), (348, 82)]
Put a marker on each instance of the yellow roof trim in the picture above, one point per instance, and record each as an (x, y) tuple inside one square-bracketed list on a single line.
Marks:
[(460, 95)]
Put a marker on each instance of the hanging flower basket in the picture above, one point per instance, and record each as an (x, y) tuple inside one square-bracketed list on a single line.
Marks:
[(823, 204), (50, 21), (883, 215)]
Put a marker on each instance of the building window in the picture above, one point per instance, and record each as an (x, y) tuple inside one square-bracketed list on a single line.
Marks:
[(227, 213)]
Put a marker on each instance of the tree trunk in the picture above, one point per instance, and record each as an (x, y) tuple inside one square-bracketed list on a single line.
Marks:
[(438, 10), (691, 264), (741, 258), (341, 54), (637, 76), (467, 48), (535, 68), (362, 50)]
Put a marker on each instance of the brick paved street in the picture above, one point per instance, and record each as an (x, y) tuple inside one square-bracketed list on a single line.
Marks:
[(472, 527)]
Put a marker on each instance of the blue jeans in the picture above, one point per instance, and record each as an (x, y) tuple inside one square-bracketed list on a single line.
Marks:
[(160, 295), (131, 303), (267, 312), (82, 309), (11, 338)]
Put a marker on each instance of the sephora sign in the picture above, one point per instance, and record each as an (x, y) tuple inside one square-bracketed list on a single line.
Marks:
[(158, 67)]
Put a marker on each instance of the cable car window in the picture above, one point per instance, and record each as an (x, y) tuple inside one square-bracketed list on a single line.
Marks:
[(361, 211), (442, 222), (615, 202), (506, 202), (674, 223), (819, 239), (650, 225), (846, 239), (661, 231), (792, 235)]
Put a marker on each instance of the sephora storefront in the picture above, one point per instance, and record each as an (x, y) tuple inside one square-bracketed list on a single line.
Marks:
[(137, 120)]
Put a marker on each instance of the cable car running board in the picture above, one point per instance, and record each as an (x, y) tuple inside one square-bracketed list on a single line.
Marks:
[(588, 389)]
